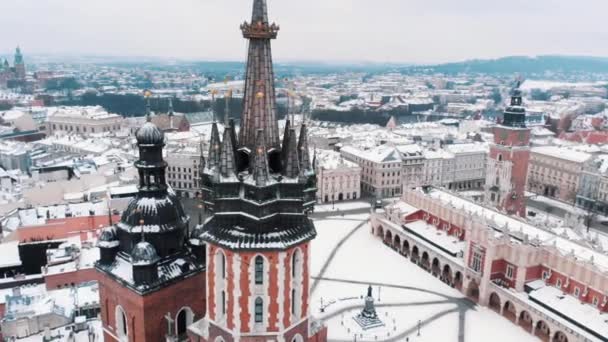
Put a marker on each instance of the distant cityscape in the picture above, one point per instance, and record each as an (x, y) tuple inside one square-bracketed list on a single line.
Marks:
[(224, 201)]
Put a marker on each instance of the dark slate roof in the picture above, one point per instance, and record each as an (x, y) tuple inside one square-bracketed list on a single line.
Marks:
[(276, 234), (169, 272), (159, 213)]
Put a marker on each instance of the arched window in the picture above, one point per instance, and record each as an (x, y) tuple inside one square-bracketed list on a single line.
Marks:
[(220, 260), (297, 338), (122, 327), (259, 270), (259, 310), (499, 157), (184, 318), (296, 263)]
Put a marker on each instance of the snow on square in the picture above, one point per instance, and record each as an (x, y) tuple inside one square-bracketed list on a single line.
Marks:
[(405, 295)]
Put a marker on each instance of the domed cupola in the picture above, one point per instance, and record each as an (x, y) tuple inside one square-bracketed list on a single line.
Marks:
[(150, 135), (108, 245), (144, 259), (144, 254), (152, 235)]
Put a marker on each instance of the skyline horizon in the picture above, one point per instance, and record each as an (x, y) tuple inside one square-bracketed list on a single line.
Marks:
[(418, 32), (276, 59)]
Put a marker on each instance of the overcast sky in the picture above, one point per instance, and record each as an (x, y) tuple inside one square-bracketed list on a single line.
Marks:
[(419, 31)]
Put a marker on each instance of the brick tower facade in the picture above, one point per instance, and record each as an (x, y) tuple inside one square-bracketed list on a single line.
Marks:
[(151, 280), (508, 160), (259, 193)]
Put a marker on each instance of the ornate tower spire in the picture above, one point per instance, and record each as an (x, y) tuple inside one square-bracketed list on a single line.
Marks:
[(261, 215), (259, 105)]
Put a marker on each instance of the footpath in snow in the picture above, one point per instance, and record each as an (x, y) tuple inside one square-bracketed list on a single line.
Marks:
[(346, 258)]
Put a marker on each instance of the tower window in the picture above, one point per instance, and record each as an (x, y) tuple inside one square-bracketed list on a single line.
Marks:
[(259, 310), (121, 323), (259, 270), (223, 302), (293, 301)]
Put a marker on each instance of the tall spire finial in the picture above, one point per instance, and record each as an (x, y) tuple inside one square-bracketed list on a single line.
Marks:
[(260, 12), (147, 95), (213, 92), (170, 106), (227, 99), (259, 101), (141, 225)]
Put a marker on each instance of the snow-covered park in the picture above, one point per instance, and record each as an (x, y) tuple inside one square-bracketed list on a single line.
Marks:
[(346, 259)]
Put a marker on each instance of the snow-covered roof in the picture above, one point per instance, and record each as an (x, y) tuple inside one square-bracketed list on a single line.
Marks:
[(467, 148), (331, 160), (380, 154), (562, 153), (9, 252), (519, 226), (585, 315)]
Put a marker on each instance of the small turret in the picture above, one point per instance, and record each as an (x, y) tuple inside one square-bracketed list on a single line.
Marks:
[(233, 135), (108, 246), (144, 259), (291, 163), (285, 140), (214, 147), (303, 152), (227, 160), (260, 161)]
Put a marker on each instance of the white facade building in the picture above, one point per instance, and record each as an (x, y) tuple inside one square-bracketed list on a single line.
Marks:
[(183, 169), (381, 169), (337, 179), (82, 120), (468, 169)]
